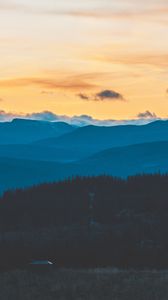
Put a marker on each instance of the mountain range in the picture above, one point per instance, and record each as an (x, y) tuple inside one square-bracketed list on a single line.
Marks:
[(22, 131), (33, 152)]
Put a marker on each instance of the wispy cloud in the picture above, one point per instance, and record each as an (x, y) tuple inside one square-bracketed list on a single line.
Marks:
[(92, 10), (112, 14), (159, 60), (71, 83)]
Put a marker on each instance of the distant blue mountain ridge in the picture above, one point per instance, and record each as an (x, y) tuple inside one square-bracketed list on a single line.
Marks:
[(23, 131), (45, 152)]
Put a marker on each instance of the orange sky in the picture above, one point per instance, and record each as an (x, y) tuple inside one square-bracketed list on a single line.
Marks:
[(55, 52)]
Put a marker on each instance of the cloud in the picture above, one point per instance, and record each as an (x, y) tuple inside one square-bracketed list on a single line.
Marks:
[(83, 10), (83, 96), (157, 60), (5, 116), (69, 83), (105, 95), (52, 117), (43, 116), (81, 120), (119, 14), (108, 95), (147, 115), (152, 12)]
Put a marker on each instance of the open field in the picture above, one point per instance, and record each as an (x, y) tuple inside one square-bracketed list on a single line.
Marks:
[(98, 284)]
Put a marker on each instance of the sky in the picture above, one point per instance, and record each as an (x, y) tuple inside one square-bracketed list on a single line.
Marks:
[(101, 58)]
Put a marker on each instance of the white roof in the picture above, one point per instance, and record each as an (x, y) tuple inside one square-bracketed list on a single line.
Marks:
[(41, 262)]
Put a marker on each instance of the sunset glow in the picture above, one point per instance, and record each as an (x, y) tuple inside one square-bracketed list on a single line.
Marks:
[(60, 55)]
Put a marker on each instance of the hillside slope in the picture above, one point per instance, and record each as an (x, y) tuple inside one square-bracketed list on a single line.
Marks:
[(122, 162), (96, 137)]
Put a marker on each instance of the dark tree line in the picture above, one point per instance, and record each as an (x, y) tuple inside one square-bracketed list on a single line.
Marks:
[(51, 221), (67, 202)]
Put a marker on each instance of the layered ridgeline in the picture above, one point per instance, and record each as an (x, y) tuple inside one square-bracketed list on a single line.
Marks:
[(91, 139), (33, 152)]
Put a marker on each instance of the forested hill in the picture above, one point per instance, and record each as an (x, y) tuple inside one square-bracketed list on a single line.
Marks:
[(125, 226), (67, 202)]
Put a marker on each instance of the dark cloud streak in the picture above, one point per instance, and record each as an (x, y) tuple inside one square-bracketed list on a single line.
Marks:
[(108, 95), (105, 95), (83, 96), (147, 115)]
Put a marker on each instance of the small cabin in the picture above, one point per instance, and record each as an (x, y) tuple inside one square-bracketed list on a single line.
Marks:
[(41, 265)]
